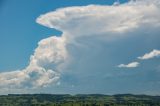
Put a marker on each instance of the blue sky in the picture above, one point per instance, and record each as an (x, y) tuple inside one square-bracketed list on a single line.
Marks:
[(103, 48)]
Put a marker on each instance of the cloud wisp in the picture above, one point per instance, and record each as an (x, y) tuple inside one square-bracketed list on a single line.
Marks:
[(152, 54), (130, 65), (83, 27)]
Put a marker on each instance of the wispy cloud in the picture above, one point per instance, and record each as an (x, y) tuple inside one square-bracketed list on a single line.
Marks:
[(152, 54), (130, 65)]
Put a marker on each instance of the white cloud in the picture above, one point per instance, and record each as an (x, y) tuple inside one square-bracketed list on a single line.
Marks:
[(43, 67), (152, 54), (130, 65), (101, 19), (82, 26)]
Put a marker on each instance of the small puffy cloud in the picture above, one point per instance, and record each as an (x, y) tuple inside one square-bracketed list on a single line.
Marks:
[(152, 54), (130, 65)]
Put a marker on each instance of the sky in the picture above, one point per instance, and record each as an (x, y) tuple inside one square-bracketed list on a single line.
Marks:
[(85, 46)]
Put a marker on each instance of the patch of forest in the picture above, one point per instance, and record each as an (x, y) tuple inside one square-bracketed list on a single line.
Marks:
[(78, 100)]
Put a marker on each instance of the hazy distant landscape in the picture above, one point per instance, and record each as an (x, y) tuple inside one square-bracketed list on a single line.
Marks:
[(78, 100)]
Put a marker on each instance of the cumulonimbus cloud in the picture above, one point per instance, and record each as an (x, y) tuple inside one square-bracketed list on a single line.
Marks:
[(80, 24)]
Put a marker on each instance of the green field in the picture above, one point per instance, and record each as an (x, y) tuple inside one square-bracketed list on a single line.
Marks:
[(78, 100)]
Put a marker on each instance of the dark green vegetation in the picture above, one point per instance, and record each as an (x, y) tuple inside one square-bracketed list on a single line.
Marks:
[(78, 100)]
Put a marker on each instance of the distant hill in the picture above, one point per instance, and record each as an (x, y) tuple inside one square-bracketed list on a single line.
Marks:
[(78, 100)]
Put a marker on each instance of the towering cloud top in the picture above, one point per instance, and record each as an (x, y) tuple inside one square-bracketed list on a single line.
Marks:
[(102, 19)]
